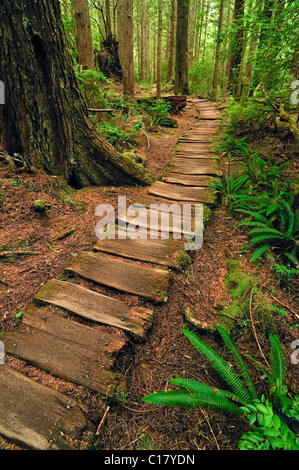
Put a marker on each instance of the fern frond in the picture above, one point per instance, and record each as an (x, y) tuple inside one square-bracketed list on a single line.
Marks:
[(197, 388), (187, 400), (239, 361), (277, 362), (259, 252), (220, 365)]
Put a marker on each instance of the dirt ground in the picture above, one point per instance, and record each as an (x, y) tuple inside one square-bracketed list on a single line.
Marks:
[(131, 424)]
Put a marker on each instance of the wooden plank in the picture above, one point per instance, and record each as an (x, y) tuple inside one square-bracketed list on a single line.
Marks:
[(176, 192), (192, 162), (189, 180), (162, 252), (100, 345), (61, 357), (159, 220), (151, 283), (184, 169), (96, 307), (36, 416)]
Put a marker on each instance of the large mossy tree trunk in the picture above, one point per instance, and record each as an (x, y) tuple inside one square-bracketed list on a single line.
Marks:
[(45, 116)]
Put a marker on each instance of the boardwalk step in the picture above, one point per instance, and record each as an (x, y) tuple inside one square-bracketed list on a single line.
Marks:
[(162, 252), (187, 167), (37, 416), (176, 192), (159, 222), (189, 180), (65, 349), (151, 283), (96, 307)]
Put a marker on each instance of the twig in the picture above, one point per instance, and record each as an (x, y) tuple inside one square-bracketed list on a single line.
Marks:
[(245, 293), (207, 420), (284, 305), (3, 254), (63, 235), (135, 440), (253, 327), (102, 420)]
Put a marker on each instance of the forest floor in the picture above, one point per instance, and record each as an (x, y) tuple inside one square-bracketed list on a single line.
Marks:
[(131, 424)]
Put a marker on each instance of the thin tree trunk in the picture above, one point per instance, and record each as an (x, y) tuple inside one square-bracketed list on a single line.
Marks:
[(206, 30), (171, 42), (217, 55), (159, 48), (83, 33), (237, 44), (45, 116), (181, 86), (128, 55), (108, 18)]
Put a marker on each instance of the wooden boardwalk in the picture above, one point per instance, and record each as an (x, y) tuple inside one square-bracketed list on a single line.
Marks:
[(38, 417)]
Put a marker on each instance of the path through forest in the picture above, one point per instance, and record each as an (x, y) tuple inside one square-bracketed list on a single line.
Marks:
[(41, 418)]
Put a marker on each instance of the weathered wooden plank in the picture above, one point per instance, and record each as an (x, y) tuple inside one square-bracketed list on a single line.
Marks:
[(162, 252), (176, 192), (151, 283), (100, 345), (186, 169), (162, 218), (189, 180), (37, 416), (96, 307), (60, 357)]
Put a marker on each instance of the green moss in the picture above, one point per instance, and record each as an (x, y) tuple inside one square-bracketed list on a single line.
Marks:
[(236, 282)]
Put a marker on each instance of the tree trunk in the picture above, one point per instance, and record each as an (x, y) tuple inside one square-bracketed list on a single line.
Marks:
[(108, 19), (237, 46), (83, 33), (125, 32), (181, 86), (159, 49), (217, 55), (171, 42), (45, 116)]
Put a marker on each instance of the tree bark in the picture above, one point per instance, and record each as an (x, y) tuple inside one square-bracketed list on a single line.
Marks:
[(217, 55), (45, 116), (159, 49), (171, 43), (237, 46), (181, 86), (83, 33), (125, 33)]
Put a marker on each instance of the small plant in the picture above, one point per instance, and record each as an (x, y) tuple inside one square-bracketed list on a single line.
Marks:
[(230, 146), (277, 421), (158, 113), (260, 171), (232, 188), (278, 231), (285, 274), (117, 137)]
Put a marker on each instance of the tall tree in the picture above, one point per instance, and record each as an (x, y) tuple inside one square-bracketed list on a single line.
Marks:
[(181, 86), (126, 42), (45, 116), (83, 33), (236, 45), (171, 42), (218, 44), (159, 48)]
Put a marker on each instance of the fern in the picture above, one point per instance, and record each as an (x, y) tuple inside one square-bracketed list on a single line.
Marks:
[(277, 364), (183, 399), (220, 365), (239, 361)]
